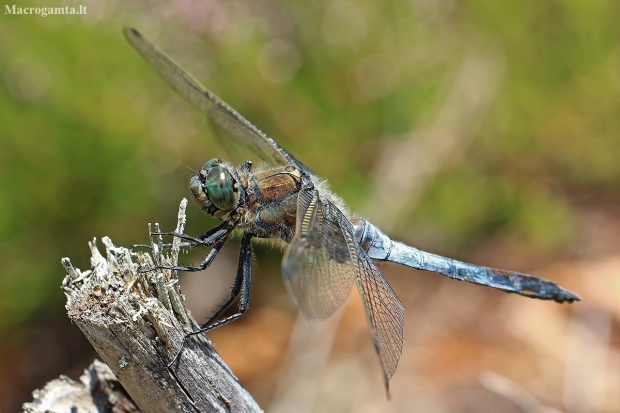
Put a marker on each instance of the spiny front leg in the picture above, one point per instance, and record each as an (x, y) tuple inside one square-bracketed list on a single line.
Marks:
[(208, 239), (216, 238)]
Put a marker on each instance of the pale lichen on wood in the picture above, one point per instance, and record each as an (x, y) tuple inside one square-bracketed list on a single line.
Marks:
[(136, 321)]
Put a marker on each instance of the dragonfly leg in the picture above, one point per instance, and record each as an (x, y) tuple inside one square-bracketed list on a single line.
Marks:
[(203, 265), (234, 294), (242, 286), (215, 237), (208, 238), (166, 246)]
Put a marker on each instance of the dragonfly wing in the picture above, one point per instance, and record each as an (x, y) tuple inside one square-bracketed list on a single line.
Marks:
[(239, 137), (321, 264), (385, 315), (384, 311), (317, 265)]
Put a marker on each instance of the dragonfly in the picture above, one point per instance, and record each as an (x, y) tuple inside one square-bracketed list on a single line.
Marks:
[(327, 250)]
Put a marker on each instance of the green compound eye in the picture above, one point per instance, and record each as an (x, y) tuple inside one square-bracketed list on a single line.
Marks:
[(210, 163), (220, 188)]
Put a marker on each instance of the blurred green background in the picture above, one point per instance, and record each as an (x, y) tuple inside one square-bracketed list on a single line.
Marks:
[(93, 143)]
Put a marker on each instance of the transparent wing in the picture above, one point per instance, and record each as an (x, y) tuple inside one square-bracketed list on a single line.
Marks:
[(240, 138), (320, 266), (385, 314), (317, 266), (384, 311)]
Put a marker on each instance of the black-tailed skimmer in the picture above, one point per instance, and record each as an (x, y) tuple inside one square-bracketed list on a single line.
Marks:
[(328, 251)]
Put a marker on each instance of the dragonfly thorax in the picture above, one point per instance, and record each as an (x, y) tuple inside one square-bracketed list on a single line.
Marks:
[(214, 189)]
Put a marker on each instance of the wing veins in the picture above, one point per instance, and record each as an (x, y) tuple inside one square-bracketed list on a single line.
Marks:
[(222, 114)]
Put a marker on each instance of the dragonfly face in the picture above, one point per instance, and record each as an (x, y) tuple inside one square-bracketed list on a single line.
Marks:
[(214, 189), (327, 251)]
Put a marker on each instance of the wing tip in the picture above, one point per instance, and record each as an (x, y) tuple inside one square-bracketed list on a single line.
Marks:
[(387, 390)]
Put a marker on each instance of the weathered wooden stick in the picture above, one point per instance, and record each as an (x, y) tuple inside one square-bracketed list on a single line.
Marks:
[(136, 321), (97, 391)]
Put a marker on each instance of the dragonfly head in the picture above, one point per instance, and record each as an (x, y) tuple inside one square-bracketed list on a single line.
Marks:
[(214, 188)]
